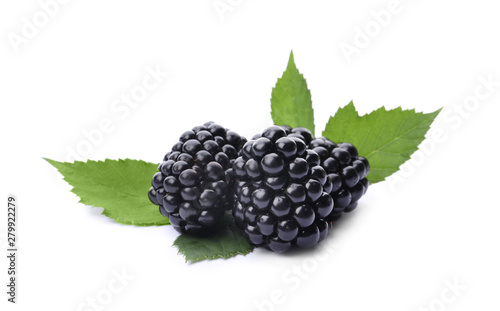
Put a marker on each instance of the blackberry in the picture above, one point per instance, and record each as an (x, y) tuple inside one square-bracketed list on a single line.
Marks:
[(280, 200), (347, 172), (192, 185)]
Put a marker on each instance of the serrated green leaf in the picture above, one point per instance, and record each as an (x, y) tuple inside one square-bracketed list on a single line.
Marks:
[(227, 242), (119, 186), (387, 138), (291, 102)]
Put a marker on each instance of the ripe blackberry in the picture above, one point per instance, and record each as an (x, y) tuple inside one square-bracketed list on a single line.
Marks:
[(192, 185), (280, 197), (347, 172)]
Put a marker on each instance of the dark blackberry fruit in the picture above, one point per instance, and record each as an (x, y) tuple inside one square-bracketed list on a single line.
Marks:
[(193, 185), (302, 133), (280, 191), (346, 171)]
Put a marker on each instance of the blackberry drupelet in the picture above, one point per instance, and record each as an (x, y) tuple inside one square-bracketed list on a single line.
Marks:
[(347, 172), (280, 191), (192, 185)]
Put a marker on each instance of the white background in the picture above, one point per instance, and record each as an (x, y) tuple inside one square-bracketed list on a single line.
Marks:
[(438, 223)]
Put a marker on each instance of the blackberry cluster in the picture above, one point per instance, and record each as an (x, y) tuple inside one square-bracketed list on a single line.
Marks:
[(282, 193), (347, 172), (285, 187), (192, 185)]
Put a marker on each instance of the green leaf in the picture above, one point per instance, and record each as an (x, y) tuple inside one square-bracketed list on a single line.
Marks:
[(387, 138), (119, 186), (291, 99), (227, 242)]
